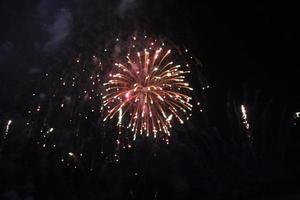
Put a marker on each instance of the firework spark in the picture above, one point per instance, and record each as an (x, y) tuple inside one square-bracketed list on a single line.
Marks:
[(7, 128), (149, 90)]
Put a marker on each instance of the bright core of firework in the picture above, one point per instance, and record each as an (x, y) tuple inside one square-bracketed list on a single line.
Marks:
[(150, 91)]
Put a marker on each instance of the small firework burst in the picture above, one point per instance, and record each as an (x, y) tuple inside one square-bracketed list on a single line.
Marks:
[(148, 89)]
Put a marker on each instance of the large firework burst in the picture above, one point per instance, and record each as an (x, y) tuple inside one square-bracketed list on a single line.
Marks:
[(145, 90), (148, 90)]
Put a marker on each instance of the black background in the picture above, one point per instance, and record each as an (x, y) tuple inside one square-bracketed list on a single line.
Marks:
[(247, 49)]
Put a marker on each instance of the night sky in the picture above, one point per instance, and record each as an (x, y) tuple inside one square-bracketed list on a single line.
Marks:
[(249, 55)]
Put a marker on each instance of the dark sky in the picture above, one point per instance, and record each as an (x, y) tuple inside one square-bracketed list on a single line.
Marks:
[(245, 43), (246, 48)]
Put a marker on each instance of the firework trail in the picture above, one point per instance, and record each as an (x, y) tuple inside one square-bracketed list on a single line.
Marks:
[(5, 134), (7, 128), (246, 123)]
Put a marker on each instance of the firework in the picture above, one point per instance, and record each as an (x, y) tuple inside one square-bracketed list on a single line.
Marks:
[(148, 91), (139, 84), (7, 128), (246, 123), (244, 116)]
